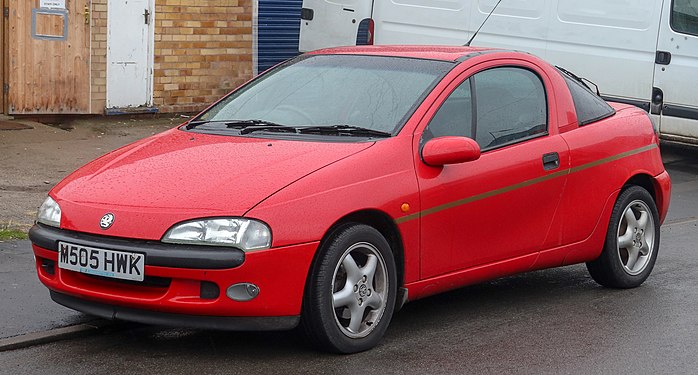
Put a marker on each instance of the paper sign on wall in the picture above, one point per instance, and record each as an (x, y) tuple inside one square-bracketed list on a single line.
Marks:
[(52, 4)]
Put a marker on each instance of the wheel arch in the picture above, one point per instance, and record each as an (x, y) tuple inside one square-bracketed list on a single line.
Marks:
[(598, 236), (384, 224), (387, 227), (609, 269), (648, 183)]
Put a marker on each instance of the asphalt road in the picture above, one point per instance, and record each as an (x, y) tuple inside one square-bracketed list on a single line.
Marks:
[(553, 321), (25, 305)]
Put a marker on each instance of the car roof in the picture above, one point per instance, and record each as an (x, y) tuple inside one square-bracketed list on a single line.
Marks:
[(445, 53)]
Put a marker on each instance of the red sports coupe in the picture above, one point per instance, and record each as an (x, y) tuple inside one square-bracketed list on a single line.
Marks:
[(341, 184)]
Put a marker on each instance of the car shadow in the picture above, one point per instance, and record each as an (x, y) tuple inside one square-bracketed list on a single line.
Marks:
[(496, 302)]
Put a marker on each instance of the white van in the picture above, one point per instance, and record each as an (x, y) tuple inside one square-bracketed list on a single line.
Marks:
[(642, 52)]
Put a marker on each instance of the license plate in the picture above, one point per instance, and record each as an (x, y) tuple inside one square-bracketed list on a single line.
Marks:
[(101, 262)]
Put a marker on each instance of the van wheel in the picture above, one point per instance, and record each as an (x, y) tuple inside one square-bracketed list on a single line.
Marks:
[(350, 296), (632, 241)]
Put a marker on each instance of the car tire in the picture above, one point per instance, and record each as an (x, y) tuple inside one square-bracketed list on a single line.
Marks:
[(632, 241), (350, 294)]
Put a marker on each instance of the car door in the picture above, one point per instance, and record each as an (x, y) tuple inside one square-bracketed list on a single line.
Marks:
[(675, 76), (500, 206)]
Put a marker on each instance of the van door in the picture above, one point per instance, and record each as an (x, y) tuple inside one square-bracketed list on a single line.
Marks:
[(521, 25), (612, 43), (675, 70), (422, 22), (334, 23)]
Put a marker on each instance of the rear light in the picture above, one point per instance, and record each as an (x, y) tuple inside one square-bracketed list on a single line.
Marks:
[(364, 34)]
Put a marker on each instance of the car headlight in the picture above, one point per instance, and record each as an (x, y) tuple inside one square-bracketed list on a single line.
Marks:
[(49, 213), (245, 234)]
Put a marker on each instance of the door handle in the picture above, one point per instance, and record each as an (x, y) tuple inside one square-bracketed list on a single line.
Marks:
[(662, 58), (551, 161), (147, 16), (307, 14)]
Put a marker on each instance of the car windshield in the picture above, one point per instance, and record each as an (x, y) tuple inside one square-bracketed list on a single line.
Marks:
[(369, 93)]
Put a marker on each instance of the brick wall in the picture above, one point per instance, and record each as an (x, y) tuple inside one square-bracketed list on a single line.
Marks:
[(99, 56), (203, 49)]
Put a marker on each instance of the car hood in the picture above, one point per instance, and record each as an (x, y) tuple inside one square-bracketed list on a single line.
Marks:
[(177, 175)]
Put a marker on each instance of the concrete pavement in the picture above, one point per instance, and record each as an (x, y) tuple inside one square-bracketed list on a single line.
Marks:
[(34, 159)]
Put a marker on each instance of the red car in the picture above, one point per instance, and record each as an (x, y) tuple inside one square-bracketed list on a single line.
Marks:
[(337, 186)]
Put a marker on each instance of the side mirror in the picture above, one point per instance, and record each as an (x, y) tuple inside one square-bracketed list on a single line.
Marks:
[(441, 151)]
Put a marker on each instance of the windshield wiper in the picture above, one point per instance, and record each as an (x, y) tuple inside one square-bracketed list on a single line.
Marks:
[(343, 130), (245, 126), (241, 124), (273, 128), (192, 124), (250, 126), (232, 124)]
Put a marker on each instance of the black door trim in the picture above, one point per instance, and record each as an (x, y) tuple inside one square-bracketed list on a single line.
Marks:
[(637, 103), (672, 110)]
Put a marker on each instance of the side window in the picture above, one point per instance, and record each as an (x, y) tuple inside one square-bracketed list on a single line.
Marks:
[(588, 106), (684, 16), (454, 117), (511, 106)]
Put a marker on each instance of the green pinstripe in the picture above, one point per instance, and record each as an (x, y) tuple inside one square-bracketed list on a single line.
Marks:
[(523, 184)]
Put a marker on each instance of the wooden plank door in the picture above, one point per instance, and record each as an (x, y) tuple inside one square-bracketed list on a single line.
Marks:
[(49, 57)]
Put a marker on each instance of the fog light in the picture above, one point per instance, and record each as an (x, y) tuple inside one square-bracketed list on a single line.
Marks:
[(242, 292)]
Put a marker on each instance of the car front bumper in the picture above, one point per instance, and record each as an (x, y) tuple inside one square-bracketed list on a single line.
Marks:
[(184, 285), (233, 323)]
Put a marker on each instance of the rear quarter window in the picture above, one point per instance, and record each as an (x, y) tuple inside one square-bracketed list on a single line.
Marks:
[(589, 107)]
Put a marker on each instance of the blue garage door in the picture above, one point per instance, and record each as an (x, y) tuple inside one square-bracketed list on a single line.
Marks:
[(278, 30)]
